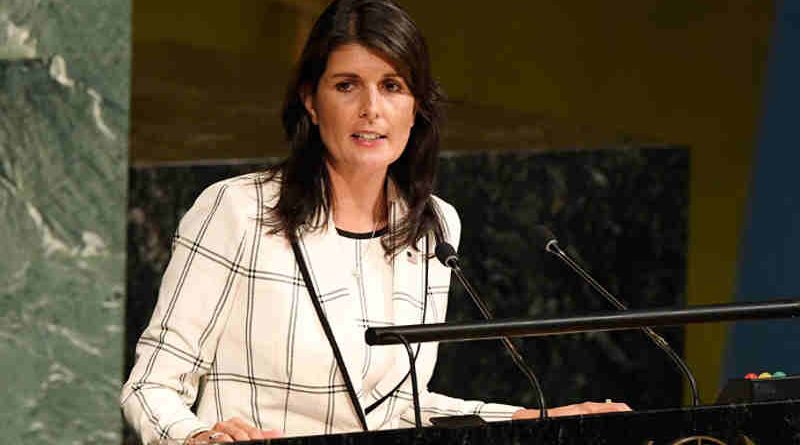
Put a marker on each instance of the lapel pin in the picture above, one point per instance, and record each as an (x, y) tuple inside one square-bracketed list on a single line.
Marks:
[(411, 257)]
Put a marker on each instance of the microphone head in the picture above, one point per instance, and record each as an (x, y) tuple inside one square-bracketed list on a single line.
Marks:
[(543, 237), (446, 254)]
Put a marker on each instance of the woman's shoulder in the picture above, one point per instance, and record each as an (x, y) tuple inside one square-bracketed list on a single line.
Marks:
[(265, 181), (256, 188), (239, 197), (445, 209), (451, 224)]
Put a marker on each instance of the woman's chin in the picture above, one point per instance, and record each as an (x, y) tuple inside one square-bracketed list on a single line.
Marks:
[(365, 163)]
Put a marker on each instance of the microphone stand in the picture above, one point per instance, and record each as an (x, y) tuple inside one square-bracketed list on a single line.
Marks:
[(553, 247), (452, 263), (414, 385)]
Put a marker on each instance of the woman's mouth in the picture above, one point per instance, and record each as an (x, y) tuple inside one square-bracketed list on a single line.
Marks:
[(368, 139), (368, 136)]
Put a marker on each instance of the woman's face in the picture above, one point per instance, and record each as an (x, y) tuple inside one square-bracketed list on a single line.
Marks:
[(364, 111)]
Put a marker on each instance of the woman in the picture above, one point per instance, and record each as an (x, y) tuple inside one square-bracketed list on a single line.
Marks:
[(275, 276)]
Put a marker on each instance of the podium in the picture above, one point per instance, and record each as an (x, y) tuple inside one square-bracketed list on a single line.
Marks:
[(768, 422), (742, 424)]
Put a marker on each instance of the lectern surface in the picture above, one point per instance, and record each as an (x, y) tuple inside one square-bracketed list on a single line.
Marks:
[(758, 423)]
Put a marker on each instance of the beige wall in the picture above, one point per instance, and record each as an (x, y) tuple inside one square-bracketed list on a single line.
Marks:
[(675, 71)]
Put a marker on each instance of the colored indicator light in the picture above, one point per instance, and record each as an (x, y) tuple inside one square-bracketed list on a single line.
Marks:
[(778, 375), (751, 376), (765, 375)]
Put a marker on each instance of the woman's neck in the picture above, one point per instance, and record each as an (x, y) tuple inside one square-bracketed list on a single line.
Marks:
[(359, 201)]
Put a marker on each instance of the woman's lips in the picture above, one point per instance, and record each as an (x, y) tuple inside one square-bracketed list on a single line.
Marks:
[(367, 139)]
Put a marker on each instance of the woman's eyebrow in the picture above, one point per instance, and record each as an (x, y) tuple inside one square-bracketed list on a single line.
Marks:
[(346, 75), (388, 75)]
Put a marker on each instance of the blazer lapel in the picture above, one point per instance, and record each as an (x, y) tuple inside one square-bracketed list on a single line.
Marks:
[(408, 269)]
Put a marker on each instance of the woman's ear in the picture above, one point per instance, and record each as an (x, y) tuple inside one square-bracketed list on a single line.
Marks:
[(308, 102)]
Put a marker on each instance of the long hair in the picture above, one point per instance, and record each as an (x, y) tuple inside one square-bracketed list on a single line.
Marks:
[(305, 190)]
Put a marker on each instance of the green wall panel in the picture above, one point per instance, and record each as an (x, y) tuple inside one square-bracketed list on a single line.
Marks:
[(64, 82)]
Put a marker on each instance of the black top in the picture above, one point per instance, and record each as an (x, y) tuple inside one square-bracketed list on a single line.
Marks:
[(366, 235)]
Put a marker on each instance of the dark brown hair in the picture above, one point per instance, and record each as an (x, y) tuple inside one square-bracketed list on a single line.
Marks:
[(305, 191)]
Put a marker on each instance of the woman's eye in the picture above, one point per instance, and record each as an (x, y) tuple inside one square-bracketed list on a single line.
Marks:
[(393, 86), (344, 87)]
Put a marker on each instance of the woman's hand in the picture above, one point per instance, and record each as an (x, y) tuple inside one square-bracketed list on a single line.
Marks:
[(574, 410), (231, 430)]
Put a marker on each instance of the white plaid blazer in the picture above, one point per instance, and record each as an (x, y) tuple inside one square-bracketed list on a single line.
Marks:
[(234, 332)]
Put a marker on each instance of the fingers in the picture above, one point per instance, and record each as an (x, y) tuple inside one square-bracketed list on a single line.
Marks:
[(272, 434), (620, 407), (207, 437), (574, 410), (588, 408), (226, 431), (242, 430), (607, 407), (234, 429)]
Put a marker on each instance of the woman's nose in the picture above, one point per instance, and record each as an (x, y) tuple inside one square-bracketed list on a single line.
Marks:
[(370, 104)]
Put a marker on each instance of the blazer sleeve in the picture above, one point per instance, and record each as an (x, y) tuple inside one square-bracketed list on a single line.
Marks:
[(433, 404), (197, 292)]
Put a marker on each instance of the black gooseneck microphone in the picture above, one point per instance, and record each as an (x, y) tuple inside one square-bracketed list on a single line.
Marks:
[(446, 255), (550, 243)]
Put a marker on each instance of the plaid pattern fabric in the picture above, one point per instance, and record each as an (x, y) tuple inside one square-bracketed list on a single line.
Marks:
[(234, 329)]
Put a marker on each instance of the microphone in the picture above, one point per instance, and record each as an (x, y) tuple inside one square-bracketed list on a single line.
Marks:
[(543, 236), (446, 255)]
